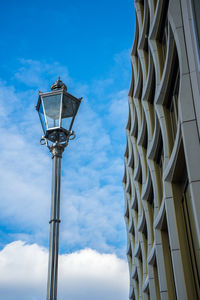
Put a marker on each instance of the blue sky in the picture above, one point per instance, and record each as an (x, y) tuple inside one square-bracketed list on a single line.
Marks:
[(88, 44)]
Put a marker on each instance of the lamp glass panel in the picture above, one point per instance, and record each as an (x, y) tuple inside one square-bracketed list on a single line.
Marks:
[(52, 110), (69, 109), (66, 122), (42, 118)]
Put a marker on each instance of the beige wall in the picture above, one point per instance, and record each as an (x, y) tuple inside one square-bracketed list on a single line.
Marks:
[(162, 157)]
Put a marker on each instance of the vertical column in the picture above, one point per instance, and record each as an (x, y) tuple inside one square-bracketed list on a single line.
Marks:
[(56, 151)]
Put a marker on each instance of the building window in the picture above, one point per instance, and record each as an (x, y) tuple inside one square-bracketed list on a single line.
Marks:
[(174, 106), (192, 238), (160, 155), (164, 39), (196, 25), (172, 95)]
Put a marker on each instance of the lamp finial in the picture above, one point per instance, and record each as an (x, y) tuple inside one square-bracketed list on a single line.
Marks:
[(58, 85)]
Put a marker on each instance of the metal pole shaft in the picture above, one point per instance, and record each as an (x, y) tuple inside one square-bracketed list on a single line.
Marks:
[(56, 151)]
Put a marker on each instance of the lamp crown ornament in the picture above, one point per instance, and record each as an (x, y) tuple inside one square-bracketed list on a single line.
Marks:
[(59, 85)]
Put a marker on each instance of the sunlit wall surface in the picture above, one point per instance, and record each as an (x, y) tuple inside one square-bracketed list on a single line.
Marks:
[(162, 156)]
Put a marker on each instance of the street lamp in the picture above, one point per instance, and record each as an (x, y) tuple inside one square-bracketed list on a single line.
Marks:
[(57, 110)]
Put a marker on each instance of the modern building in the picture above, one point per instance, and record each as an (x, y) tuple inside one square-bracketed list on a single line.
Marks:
[(162, 157)]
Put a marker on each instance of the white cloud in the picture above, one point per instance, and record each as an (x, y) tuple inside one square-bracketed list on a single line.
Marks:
[(92, 166), (118, 109), (6, 108), (92, 197), (85, 274), (34, 73)]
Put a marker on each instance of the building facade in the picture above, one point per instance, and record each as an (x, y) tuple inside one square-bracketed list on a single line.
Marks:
[(162, 157)]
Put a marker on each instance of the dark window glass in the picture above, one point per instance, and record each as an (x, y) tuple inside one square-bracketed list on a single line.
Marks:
[(192, 238), (196, 13)]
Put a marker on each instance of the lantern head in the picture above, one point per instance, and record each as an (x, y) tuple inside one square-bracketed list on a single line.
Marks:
[(57, 110)]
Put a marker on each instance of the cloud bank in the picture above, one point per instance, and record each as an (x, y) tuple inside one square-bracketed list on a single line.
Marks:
[(92, 165), (85, 274)]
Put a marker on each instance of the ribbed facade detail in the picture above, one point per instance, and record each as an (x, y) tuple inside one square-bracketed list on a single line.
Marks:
[(162, 156)]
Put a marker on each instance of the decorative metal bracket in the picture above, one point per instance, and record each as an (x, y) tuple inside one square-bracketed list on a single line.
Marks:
[(44, 141)]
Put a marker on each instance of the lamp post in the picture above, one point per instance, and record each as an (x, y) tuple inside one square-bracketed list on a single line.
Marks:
[(57, 110)]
